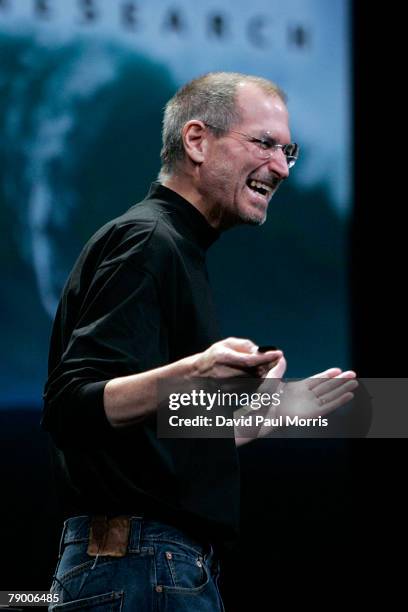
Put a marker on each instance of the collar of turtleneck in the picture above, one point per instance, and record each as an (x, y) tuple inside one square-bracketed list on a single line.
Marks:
[(194, 222)]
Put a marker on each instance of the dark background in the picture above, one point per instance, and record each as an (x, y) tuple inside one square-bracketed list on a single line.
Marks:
[(317, 518), (377, 271)]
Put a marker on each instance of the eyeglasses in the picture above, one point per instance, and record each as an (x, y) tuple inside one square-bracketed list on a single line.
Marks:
[(266, 147)]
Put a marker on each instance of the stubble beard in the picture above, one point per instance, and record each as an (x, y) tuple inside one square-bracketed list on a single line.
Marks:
[(251, 219), (233, 216)]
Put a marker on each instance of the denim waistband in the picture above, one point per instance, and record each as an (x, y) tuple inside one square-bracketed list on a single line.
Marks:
[(142, 533)]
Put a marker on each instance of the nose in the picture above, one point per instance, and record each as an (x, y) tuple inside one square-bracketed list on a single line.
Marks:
[(278, 164)]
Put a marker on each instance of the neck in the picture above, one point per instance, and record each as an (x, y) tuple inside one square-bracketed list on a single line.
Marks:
[(187, 190), (184, 185)]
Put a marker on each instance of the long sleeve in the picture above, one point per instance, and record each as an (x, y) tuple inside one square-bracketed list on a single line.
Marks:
[(118, 331)]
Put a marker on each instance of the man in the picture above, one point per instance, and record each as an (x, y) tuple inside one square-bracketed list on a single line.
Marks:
[(149, 512)]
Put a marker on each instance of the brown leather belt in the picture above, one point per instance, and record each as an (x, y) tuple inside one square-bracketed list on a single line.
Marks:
[(109, 536)]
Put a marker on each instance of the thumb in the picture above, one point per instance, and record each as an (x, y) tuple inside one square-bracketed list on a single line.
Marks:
[(242, 345), (279, 370)]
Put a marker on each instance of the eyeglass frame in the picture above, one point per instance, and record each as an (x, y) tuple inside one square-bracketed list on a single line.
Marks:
[(271, 143)]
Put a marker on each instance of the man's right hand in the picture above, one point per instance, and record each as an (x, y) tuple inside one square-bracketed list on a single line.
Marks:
[(234, 357), (129, 399)]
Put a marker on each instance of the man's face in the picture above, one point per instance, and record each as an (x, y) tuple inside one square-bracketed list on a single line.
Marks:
[(232, 162)]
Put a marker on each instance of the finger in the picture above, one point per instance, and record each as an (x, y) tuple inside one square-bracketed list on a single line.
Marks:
[(263, 369), (325, 386), (247, 360), (334, 404), (330, 373), (350, 385), (224, 371), (271, 354), (243, 345), (278, 370)]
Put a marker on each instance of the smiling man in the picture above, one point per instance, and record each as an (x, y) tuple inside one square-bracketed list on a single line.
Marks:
[(146, 516), (232, 152)]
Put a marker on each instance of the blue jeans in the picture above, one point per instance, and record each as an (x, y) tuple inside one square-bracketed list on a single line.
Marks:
[(163, 571)]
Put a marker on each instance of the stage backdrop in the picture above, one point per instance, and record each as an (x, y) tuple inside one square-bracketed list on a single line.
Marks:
[(82, 89)]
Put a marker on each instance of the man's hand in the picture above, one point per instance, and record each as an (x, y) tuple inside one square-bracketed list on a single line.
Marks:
[(234, 357), (129, 399), (315, 396)]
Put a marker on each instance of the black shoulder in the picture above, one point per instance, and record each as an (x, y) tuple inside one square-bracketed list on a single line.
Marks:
[(122, 239)]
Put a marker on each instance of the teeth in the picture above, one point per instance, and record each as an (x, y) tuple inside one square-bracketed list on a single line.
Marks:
[(260, 185)]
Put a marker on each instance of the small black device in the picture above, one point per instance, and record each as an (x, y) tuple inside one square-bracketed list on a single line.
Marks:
[(267, 347)]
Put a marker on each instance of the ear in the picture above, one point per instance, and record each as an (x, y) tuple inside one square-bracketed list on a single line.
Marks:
[(194, 135)]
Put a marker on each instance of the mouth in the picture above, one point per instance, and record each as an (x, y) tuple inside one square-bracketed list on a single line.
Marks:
[(261, 192), (264, 189)]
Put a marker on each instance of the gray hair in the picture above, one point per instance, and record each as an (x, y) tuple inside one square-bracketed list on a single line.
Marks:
[(210, 98)]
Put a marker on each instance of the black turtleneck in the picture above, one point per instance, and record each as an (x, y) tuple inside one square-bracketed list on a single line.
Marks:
[(137, 298)]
